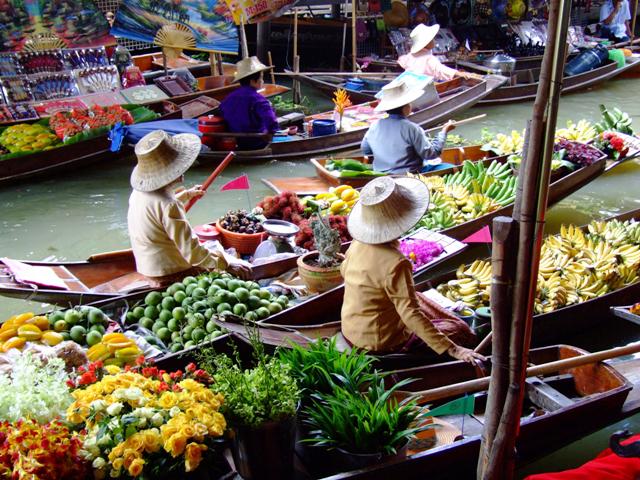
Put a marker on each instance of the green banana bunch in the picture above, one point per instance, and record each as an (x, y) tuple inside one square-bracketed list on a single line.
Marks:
[(614, 120)]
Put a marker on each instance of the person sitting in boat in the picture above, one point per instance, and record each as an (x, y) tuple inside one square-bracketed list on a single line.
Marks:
[(422, 61), (245, 110), (614, 20), (397, 144), (382, 313), (164, 246)]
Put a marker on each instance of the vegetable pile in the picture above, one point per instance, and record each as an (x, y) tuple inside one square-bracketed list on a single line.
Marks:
[(239, 221), (473, 191), (181, 316), (614, 120), (583, 132), (348, 168)]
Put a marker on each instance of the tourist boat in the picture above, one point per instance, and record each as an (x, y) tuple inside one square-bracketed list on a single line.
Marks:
[(113, 274), (325, 179), (459, 95), (74, 155), (523, 86), (319, 316)]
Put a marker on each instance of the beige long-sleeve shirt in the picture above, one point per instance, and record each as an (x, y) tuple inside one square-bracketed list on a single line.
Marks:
[(380, 309), (161, 237)]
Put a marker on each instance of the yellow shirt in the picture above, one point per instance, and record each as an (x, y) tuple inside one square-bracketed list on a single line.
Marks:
[(161, 237), (380, 309)]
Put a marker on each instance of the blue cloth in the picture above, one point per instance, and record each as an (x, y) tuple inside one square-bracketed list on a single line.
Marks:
[(246, 111), (439, 166), (399, 146), (131, 134)]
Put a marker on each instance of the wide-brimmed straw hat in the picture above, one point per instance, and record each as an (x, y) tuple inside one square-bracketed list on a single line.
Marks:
[(248, 66), (398, 94), (388, 207), (422, 35), (163, 158)]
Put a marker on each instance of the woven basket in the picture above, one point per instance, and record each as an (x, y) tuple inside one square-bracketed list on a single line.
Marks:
[(244, 243)]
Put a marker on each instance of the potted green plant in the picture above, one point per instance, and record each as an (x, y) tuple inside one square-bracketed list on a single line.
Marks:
[(320, 269), (357, 430), (260, 405)]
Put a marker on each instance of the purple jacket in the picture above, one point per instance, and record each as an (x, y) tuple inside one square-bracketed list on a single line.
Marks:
[(246, 111)]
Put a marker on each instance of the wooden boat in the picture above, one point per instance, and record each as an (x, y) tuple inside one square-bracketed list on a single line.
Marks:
[(459, 95), (559, 409), (74, 155), (320, 315), (523, 87)]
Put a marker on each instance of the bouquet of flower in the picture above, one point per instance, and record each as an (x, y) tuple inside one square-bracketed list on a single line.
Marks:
[(40, 452), (341, 101), (611, 144), (420, 252), (143, 420), (34, 389)]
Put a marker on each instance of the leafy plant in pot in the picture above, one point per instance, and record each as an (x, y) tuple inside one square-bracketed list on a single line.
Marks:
[(320, 269), (260, 406), (362, 429)]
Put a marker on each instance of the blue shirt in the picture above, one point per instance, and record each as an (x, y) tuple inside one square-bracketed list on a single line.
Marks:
[(246, 111), (617, 25), (399, 146)]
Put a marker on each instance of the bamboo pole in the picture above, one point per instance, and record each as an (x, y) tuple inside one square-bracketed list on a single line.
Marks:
[(480, 384), (295, 32), (505, 231), (273, 77), (212, 63), (344, 46), (296, 83), (529, 211), (354, 38), (634, 14), (339, 74), (219, 63)]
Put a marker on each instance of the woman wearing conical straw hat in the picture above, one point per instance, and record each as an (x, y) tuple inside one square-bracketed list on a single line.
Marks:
[(397, 144), (422, 61), (164, 246), (382, 312), (245, 110)]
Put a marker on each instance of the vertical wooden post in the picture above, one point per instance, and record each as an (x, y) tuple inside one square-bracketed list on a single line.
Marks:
[(273, 77), (219, 64), (344, 46), (296, 83), (634, 14), (263, 34), (295, 32), (354, 37), (212, 63)]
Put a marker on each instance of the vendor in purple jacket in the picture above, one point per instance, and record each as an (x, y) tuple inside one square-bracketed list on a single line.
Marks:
[(245, 110)]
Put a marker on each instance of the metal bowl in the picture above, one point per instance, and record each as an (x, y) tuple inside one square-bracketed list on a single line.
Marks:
[(280, 228), (501, 63)]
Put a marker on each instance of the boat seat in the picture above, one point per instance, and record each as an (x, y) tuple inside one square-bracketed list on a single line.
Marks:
[(127, 283)]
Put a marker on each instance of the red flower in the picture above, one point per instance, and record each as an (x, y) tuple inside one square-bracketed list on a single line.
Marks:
[(191, 367), (140, 360)]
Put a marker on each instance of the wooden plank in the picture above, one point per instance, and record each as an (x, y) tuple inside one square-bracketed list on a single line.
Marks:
[(545, 396)]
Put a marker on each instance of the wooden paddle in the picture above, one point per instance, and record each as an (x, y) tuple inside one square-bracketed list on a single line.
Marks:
[(460, 122), (480, 384), (207, 183), (110, 256)]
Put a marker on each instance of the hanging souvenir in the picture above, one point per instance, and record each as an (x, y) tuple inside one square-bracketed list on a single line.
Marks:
[(481, 12)]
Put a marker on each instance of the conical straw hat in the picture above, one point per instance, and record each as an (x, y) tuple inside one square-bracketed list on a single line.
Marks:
[(388, 207), (248, 66), (422, 35), (162, 159), (398, 94)]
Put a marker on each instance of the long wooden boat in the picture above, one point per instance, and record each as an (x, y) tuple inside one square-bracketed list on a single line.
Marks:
[(74, 155), (320, 315), (325, 179), (112, 274), (459, 95), (525, 82), (523, 87), (559, 409)]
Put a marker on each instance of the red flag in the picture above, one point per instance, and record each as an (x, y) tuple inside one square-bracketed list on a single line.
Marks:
[(481, 236), (240, 183)]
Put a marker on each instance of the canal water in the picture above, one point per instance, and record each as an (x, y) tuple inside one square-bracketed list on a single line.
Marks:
[(71, 216)]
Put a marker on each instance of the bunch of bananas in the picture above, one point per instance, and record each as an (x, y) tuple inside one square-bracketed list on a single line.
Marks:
[(506, 144), (583, 132), (473, 191), (114, 349), (575, 266), (614, 120)]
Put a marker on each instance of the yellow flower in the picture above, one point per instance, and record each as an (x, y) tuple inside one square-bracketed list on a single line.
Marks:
[(129, 456), (136, 442), (135, 469), (112, 369), (168, 400), (117, 464), (201, 431), (190, 385), (188, 431), (152, 440), (193, 456), (175, 444)]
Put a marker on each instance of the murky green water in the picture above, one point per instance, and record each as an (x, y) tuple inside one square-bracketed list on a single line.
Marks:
[(71, 216)]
